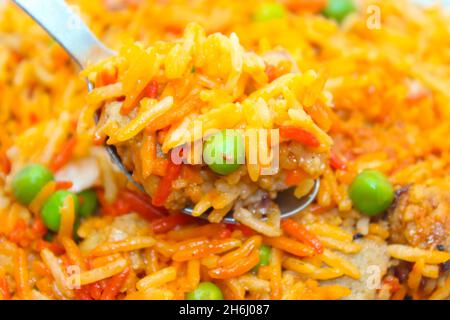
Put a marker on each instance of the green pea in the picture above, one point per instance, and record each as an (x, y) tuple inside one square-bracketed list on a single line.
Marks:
[(264, 255), (269, 11), (205, 291), (88, 202), (371, 192), (339, 9), (224, 151), (29, 181), (51, 209)]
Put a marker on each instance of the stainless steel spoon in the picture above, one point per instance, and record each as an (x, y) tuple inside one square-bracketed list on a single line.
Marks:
[(67, 28)]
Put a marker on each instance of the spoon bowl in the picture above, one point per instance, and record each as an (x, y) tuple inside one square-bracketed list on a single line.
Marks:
[(67, 28), (289, 205)]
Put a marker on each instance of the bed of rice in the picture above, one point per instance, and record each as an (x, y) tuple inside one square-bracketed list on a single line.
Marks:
[(391, 112)]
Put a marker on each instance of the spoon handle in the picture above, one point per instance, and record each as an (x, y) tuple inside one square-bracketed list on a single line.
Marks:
[(66, 27)]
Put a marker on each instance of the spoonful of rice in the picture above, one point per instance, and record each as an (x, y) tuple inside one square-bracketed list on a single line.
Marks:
[(146, 97)]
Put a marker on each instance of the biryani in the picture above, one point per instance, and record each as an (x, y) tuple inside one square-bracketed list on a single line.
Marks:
[(351, 94), (162, 106)]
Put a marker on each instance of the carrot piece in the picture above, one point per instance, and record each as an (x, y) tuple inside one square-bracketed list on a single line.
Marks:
[(5, 163), (106, 77), (56, 248), (237, 268), (38, 228), (61, 159), (23, 234), (167, 119), (165, 185), (99, 139), (177, 30), (306, 5), (151, 90), (33, 118), (289, 245), (114, 284), (19, 233), (63, 185), (337, 162), (299, 232), (321, 116), (74, 124), (4, 289), (299, 135), (294, 177), (165, 224)]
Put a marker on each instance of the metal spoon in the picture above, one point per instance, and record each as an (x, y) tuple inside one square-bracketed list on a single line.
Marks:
[(67, 28)]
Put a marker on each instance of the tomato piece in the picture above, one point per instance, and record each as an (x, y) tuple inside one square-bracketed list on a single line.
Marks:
[(299, 232), (61, 159), (165, 185), (297, 134), (294, 177), (337, 162)]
